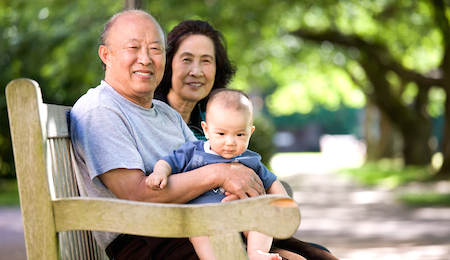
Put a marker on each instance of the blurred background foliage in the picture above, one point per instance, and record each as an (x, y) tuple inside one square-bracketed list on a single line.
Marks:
[(376, 69)]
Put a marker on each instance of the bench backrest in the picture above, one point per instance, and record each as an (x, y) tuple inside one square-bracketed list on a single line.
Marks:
[(74, 244), (56, 220), (47, 174)]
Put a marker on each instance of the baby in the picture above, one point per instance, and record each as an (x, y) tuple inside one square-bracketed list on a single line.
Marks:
[(228, 126)]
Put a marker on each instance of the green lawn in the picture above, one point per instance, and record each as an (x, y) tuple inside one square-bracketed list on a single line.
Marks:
[(391, 174), (9, 195), (388, 173), (425, 199)]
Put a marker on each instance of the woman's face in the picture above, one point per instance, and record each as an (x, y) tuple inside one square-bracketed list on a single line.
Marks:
[(193, 68)]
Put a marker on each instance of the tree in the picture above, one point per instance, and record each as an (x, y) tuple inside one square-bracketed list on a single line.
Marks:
[(441, 8), (54, 43), (381, 60), (299, 55)]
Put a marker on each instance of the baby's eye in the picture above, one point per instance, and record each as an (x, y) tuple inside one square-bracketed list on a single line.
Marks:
[(220, 133), (240, 135)]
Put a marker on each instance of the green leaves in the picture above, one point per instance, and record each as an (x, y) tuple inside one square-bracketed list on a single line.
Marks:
[(56, 42)]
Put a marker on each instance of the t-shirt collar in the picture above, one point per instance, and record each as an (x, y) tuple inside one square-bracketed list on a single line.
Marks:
[(207, 148)]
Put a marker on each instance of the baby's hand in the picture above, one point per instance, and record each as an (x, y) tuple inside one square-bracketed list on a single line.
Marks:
[(156, 182), (229, 197)]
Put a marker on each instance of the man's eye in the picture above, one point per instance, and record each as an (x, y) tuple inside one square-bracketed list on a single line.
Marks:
[(156, 50)]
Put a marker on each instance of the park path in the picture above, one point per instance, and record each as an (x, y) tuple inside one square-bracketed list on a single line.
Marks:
[(12, 242), (353, 222), (357, 223)]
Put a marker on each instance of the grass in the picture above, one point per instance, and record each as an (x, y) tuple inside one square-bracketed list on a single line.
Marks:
[(391, 173), (425, 199), (9, 194), (388, 173)]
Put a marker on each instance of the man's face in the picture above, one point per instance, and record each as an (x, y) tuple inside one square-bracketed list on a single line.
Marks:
[(135, 57)]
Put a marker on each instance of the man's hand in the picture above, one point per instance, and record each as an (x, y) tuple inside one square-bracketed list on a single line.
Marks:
[(242, 182)]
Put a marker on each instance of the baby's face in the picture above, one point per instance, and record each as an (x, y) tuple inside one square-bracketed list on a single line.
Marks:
[(228, 131)]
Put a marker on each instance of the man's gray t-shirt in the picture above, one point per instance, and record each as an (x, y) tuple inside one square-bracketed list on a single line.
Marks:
[(110, 132)]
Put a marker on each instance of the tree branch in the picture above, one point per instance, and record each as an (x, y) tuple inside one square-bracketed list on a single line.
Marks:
[(374, 51)]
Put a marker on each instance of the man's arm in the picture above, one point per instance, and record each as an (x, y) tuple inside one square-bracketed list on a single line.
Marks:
[(236, 178)]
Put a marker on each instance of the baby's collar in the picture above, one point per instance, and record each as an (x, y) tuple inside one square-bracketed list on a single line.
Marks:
[(207, 148)]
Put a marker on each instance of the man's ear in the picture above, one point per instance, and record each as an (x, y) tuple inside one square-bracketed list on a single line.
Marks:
[(205, 129), (103, 53)]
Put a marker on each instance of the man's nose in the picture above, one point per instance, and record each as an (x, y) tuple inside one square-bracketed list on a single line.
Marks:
[(144, 57)]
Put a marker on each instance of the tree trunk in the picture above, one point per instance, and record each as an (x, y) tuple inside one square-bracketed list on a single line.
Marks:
[(413, 125), (441, 18), (388, 137), (380, 134), (444, 171), (132, 4), (416, 149)]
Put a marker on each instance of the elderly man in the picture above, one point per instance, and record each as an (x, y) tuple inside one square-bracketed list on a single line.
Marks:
[(119, 132)]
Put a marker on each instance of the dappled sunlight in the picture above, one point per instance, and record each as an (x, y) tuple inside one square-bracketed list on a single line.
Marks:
[(337, 152)]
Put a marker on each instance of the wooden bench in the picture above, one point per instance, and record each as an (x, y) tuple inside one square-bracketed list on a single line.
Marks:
[(57, 221)]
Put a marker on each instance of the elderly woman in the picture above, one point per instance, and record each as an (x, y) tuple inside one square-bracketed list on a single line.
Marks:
[(196, 63)]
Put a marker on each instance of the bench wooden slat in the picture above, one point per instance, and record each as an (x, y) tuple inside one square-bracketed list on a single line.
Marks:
[(182, 220)]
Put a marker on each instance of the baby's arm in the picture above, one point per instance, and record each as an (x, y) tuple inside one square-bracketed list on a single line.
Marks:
[(158, 178), (276, 188)]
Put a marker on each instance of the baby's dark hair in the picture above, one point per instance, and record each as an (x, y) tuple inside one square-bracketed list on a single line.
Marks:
[(230, 99)]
